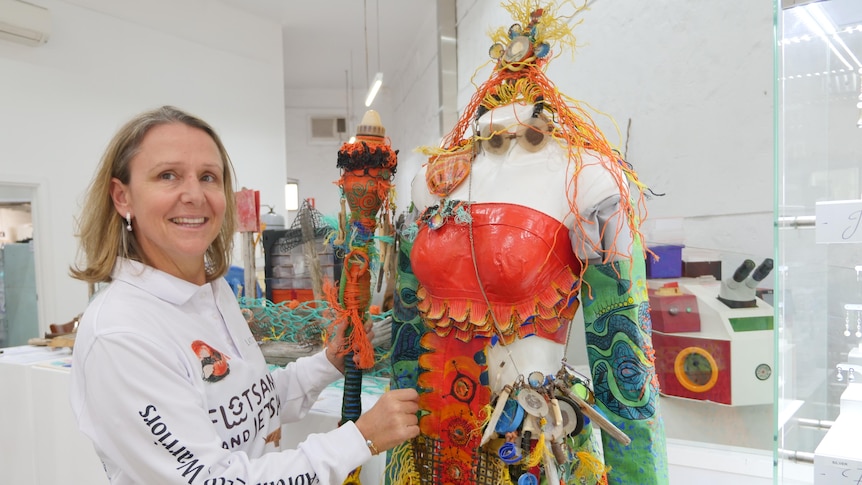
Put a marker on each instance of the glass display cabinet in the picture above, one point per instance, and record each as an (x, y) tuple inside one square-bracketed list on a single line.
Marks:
[(818, 294)]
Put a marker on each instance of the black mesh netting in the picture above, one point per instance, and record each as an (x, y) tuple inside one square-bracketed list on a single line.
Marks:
[(297, 234)]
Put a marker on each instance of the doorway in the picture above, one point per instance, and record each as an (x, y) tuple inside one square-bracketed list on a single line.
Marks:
[(19, 315)]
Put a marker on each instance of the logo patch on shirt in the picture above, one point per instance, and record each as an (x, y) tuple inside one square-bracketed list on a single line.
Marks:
[(214, 366)]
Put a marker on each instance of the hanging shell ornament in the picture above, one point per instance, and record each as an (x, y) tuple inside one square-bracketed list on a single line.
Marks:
[(496, 51)]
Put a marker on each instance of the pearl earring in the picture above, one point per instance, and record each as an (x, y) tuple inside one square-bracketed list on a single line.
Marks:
[(129, 221)]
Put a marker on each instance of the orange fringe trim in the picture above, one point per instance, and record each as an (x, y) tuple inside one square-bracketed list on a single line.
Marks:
[(548, 311), (356, 339)]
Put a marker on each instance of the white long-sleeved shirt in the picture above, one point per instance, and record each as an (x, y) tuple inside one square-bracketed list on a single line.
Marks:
[(171, 387)]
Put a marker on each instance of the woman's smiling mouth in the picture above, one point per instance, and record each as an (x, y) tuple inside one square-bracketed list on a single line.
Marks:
[(189, 221)]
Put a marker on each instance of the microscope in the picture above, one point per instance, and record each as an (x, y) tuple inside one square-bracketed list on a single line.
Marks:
[(714, 339), (739, 291)]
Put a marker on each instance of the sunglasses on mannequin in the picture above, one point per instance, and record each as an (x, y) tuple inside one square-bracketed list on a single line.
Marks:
[(531, 135)]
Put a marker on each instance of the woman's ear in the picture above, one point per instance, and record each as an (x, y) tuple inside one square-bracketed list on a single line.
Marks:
[(119, 194)]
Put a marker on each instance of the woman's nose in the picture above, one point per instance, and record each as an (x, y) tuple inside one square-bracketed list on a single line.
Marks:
[(192, 191)]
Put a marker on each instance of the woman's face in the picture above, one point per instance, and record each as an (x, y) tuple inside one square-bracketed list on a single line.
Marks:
[(176, 198)]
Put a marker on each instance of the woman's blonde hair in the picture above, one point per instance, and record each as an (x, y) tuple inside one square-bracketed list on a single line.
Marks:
[(101, 230)]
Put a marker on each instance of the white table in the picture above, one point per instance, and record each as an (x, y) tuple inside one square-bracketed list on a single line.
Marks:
[(40, 443)]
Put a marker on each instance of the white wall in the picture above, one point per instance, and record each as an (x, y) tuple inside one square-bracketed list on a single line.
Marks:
[(61, 103), (416, 107)]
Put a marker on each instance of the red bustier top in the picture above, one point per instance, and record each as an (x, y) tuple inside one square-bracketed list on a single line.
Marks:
[(527, 273)]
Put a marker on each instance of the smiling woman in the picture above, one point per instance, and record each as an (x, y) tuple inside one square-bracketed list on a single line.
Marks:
[(147, 168), (174, 199), (163, 354)]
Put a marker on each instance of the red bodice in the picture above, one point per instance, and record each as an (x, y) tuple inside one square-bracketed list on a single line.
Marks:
[(527, 273)]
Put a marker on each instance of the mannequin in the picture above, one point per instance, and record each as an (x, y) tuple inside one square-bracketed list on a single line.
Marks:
[(520, 223), (536, 181)]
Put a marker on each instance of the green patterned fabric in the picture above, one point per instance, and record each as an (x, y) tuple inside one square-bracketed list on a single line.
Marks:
[(407, 326), (621, 359), (407, 329)]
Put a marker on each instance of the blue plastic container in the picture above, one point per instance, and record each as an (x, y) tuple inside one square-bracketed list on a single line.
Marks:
[(668, 264)]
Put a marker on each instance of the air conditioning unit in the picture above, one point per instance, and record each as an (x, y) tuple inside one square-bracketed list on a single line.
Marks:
[(24, 22), (327, 128)]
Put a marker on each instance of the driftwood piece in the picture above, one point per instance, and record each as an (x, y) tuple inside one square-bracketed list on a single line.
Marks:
[(283, 353)]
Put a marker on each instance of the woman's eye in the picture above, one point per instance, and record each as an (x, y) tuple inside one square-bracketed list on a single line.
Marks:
[(167, 176), (209, 178)]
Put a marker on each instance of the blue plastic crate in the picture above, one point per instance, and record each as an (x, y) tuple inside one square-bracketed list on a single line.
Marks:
[(668, 264)]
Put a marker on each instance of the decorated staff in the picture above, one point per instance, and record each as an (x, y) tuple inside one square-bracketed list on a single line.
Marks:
[(367, 166)]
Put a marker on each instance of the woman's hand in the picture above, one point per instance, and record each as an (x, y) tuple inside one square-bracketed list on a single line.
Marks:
[(335, 346), (392, 420)]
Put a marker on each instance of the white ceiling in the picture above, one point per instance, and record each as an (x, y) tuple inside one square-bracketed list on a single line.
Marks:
[(324, 40)]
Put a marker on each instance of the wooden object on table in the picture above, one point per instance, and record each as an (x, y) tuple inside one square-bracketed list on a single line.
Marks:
[(282, 353), (55, 329), (248, 223), (59, 341)]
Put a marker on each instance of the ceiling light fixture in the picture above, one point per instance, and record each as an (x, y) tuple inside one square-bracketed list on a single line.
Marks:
[(375, 87)]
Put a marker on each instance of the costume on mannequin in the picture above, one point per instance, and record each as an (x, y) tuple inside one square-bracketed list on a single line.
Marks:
[(521, 222)]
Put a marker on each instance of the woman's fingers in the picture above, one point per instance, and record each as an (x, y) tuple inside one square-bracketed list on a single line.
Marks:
[(392, 420)]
